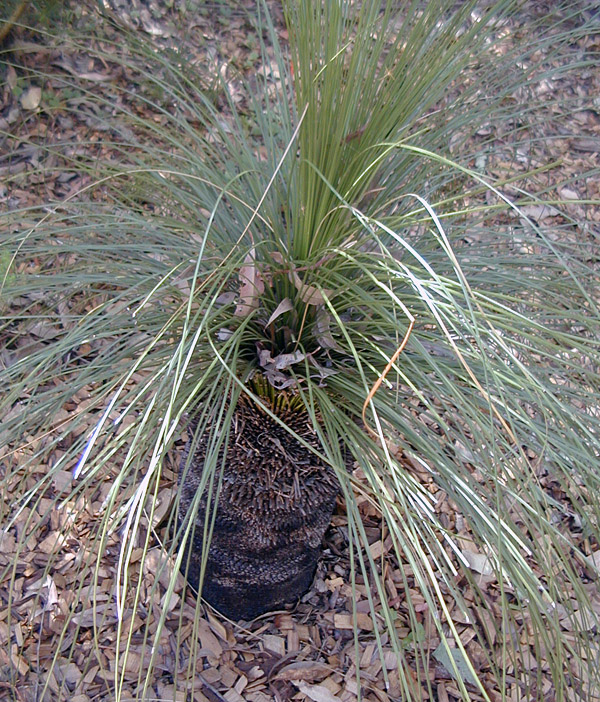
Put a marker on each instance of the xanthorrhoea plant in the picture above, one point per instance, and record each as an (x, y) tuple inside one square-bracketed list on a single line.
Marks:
[(284, 266)]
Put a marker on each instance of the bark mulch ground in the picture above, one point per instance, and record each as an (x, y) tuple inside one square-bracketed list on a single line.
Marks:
[(319, 650)]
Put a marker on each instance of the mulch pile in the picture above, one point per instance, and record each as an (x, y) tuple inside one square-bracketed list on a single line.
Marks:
[(64, 639)]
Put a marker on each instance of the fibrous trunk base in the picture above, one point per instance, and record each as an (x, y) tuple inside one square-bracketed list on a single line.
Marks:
[(274, 505)]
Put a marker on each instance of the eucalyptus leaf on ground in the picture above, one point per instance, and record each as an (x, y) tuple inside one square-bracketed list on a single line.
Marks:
[(454, 662), (284, 306), (251, 286), (30, 99)]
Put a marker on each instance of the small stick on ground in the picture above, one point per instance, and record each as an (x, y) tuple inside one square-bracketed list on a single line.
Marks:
[(13, 19)]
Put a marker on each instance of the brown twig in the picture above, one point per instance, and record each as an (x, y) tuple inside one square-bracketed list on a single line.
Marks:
[(381, 378), (13, 19)]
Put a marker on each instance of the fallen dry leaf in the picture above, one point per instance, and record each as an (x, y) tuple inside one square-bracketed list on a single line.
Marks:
[(478, 562), (594, 560), (322, 330), (304, 670), (30, 99), (318, 693), (284, 306), (251, 286), (309, 293)]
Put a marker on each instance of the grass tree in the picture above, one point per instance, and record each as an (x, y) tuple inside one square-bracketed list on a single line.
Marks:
[(327, 293)]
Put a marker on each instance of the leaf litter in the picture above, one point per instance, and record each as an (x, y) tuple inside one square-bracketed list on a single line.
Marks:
[(61, 640)]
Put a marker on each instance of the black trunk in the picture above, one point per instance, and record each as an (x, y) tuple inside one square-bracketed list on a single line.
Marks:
[(275, 504)]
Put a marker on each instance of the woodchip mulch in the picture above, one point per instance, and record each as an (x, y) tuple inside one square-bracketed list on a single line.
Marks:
[(60, 638)]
